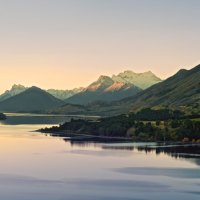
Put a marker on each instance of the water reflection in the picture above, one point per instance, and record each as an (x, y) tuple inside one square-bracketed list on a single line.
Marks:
[(37, 167), (186, 151), (191, 152)]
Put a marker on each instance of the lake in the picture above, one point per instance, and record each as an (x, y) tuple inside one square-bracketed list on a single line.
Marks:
[(35, 166)]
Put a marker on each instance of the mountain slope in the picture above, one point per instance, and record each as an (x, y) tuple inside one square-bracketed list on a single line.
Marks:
[(181, 91), (104, 89), (31, 100)]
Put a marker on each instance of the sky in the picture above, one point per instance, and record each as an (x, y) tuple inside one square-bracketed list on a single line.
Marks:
[(64, 44)]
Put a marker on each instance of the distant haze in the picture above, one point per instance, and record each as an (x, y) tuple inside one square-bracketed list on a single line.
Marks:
[(65, 44)]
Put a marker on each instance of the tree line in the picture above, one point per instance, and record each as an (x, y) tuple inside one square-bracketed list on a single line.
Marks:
[(145, 125)]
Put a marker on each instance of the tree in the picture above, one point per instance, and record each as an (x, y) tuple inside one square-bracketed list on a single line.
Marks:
[(2, 116)]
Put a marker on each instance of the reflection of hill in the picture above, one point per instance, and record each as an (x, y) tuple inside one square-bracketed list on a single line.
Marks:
[(178, 151), (191, 152)]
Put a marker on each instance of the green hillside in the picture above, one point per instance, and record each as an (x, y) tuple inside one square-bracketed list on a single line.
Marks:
[(181, 91)]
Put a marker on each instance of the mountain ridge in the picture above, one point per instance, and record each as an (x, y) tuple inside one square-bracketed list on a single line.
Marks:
[(60, 94), (180, 91), (104, 84), (114, 88)]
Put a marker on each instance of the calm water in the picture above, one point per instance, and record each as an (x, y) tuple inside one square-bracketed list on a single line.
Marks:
[(38, 167)]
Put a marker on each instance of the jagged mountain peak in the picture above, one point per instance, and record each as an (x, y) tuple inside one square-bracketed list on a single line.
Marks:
[(104, 78), (15, 89), (17, 86), (128, 72), (100, 84), (141, 80), (132, 73)]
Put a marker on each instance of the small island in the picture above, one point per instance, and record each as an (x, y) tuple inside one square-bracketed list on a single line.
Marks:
[(2, 116), (145, 125)]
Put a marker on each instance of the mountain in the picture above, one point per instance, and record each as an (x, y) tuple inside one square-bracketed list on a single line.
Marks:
[(104, 89), (16, 89), (141, 80), (31, 100), (181, 91), (64, 94), (115, 88), (60, 94)]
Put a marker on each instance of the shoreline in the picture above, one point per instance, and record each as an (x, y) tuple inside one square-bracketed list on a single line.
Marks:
[(85, 137), (71, 136)]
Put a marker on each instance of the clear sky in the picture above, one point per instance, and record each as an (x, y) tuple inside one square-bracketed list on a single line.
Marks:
[(69, 43)]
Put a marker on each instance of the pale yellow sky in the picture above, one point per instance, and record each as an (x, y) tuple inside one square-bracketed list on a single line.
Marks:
[(66, 44), (48, 75)]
